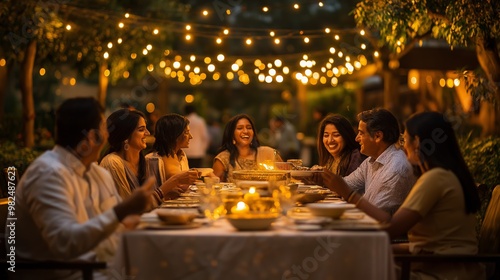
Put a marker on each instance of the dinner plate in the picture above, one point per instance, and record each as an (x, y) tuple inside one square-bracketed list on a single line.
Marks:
[(161, 226), (180, 205)]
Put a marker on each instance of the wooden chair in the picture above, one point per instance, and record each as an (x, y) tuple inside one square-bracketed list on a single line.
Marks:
[(489, 245)]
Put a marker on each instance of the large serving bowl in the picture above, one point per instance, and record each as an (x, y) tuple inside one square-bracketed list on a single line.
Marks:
[(260, 177), (175, 217), (252, 222), (332, 210)]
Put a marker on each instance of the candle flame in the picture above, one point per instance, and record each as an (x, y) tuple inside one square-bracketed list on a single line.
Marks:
[(241, 205), (251, 190)]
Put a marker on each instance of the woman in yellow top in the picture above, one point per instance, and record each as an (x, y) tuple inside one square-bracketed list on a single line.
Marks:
[(439, 212), (168, 159), (241, 149)]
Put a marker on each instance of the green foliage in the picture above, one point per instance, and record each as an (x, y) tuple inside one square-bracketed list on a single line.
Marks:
[(482, 156), (18, 157)]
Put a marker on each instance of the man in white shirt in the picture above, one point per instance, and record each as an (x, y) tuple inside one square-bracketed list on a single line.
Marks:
[(386, 176), (201, 139), (67, 207)]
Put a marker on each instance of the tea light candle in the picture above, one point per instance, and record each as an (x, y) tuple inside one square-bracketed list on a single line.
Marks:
[(240, 208), (252, 195)]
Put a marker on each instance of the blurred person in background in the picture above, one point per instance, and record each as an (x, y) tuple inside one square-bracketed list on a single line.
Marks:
[(197, 150)]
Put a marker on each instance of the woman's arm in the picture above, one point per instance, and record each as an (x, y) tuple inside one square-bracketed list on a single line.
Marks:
[(219, 170)]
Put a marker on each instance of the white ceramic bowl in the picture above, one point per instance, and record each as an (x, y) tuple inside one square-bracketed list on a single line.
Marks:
[(252, 222), (332, 210)]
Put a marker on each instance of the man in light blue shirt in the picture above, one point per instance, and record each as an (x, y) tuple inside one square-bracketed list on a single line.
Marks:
[(386, 176)]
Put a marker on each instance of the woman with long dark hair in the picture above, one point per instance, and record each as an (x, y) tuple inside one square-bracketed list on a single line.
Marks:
[(337, 147), (125, 160), (439, 212), (241, 149)]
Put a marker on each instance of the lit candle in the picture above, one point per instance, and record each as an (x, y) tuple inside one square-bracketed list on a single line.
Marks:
[(240, 208), (252, 195)]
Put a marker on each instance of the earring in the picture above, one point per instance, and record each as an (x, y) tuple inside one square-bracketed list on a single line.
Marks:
[(234, 142), (126, 146)]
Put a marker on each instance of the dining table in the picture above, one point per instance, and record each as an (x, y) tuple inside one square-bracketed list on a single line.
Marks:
[(287, 250)]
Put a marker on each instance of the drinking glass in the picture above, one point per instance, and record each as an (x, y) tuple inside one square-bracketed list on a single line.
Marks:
[(211, 204)]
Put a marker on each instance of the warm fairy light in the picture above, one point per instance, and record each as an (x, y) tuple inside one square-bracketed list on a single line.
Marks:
[(156, 31), (150, 67), (205, 13), (308, 72), (192, 58), (68, 27), (207, 60), (302, 63), (226, 31), (340, 54), (133, 55), (197, 70), (306, 40), (256, 71), (144, 52), (72, 81), (277, 41), (189, 98), (265, 9), (305, 57), (279, 79), (119, 41), (456, 82), (211, 68), (362, 32), (269, 65), (327, 30), (257, 62), (42, 71), (110, 45), (188, 27), (269, 79), (449, 83), (278, 63), (337, 37), (188, 37), (272, 33), (239, 62), (181, 79), (347, 58), (248, 41), (106, 55), (272, 72), (126, 74), (167, 71), (320, 4), (334, 81), (286, 70), (322, 80), (121, 25), (150, 107), (230, 76), (187, 67), (298, 76), (176, 65), (107, 72), (149, 47), (218, 41), (261, 77), (442, 82), (363, 46), (228, 12), (304, 80), (235, 67), (127, 15), (216, 76), (220, 57), (376, 54), (296, 6)]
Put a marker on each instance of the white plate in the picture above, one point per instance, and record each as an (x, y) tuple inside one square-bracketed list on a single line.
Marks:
[(161, 226)]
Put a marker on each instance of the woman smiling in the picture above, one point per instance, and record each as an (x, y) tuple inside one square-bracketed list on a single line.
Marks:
[(241, 149)]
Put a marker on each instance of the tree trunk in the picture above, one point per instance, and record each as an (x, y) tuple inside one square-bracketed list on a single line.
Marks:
[(26, 84), (487, 55), (103, 85)]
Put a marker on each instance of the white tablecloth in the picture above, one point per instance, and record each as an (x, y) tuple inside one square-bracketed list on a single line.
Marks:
[(221, 252)]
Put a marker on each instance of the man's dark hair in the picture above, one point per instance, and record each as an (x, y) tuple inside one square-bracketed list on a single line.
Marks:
[(381, 120), (75, 117)]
